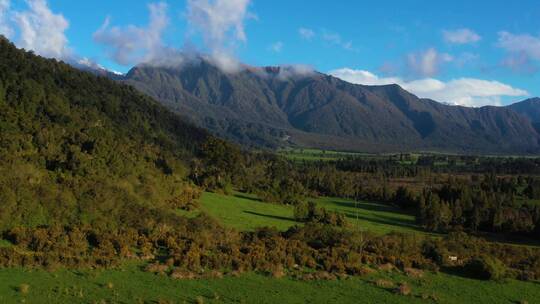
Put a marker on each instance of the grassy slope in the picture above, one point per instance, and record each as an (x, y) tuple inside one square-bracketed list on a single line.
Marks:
[(245, 212), (131, 285)]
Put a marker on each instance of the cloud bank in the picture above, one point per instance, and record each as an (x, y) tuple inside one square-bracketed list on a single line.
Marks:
[(37, 28), (133, 44), (522, 51), (462, 91), (221, 24)]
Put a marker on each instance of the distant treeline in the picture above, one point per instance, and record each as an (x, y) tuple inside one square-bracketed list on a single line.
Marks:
[(404, 165)]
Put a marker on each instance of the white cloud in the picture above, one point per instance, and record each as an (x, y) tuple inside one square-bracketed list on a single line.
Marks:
[(38, 28), (427, 63), (133, 44), (306, 33), (363, 77), (461, 36), (462, 91), (520, 43), (522, 52), (221, 23), (295, 70), (277, 47), (5, 29)]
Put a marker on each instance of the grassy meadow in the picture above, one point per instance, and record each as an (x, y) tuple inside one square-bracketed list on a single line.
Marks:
[(131, 285), (246, 212)]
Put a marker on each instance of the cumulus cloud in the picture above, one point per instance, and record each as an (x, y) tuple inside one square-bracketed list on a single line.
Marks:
[(522, 50), (461, 36), (306, 33), (276, 47), (37, 28), (462, 91), (221, 24), (427, 63), (134, 44), (520, 43)]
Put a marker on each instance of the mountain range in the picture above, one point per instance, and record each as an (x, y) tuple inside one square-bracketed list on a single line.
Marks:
[(292, 106)]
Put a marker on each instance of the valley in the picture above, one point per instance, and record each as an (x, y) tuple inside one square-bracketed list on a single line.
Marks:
[(138, 167)]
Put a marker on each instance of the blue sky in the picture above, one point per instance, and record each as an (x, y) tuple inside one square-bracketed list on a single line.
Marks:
[(462, 52)]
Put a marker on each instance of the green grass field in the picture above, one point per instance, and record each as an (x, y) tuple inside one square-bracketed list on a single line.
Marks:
[(317, 155), (246, 212), (309, 154), (131, 285)]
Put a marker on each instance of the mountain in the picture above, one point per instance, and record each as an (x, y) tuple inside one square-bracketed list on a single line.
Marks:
[(80, 149), (530, 108), (277, 106)]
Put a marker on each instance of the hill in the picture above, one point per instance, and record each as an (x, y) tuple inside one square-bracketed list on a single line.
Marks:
[(81, 149), (530, 108), (279, 106)]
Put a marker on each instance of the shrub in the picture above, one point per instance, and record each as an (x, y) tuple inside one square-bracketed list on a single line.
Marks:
[(24, 288), (403, 289), (486, 268), (384, 283)]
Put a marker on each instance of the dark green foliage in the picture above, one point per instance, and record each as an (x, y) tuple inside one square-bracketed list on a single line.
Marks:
[(485, 268), (80, 149), (310, 213), (488, 204), (533, 189)]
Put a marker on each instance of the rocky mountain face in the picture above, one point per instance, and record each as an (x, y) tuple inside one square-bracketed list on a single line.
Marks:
[(530, 108), (276, 106)]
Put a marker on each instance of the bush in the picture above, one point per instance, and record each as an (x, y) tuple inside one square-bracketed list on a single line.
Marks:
[(24, 288), (403, 289), (486, 268)]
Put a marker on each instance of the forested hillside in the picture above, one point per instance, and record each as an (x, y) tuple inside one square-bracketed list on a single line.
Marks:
[(81, 149)]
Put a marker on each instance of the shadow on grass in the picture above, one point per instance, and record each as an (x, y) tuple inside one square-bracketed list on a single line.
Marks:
[(277, 217), (386, 220), (366, 206), (247, 197)]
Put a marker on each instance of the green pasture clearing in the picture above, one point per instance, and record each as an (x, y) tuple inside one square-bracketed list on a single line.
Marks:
[(131, 285), (246, 212)]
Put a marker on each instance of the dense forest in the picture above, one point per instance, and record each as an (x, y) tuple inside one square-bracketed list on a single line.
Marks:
[(79, 149), (93, 173)]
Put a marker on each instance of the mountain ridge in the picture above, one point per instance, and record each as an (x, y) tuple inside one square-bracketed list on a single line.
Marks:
[(277, 106)]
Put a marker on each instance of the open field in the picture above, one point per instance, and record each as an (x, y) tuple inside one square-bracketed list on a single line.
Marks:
[(308, 154), (131, 285), (246, 212)]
